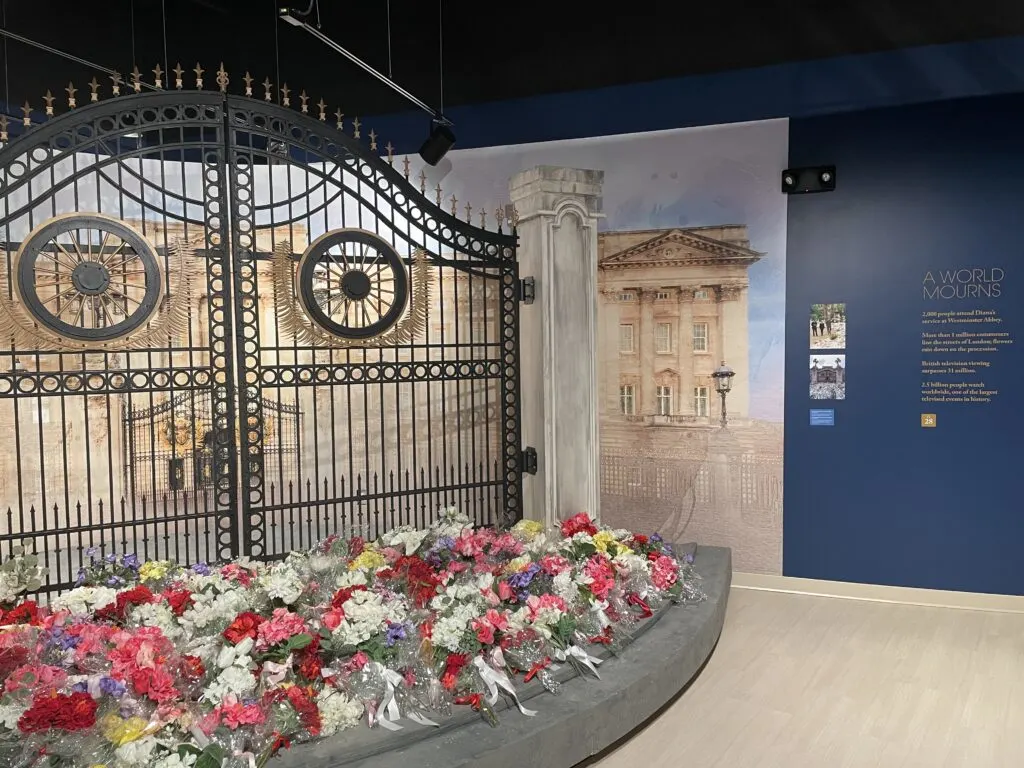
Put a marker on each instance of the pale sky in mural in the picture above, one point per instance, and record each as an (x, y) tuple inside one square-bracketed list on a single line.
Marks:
[(685, 178)]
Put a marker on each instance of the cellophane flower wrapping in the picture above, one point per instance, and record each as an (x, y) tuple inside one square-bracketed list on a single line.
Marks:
[(159, 665)]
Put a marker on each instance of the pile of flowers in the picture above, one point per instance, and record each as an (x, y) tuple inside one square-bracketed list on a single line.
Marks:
[(153, 664)]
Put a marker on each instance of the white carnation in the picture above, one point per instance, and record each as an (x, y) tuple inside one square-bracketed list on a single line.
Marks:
[(448, 630), (235, 680), (356, 578), (451, 522), (564, 586), (365, 614), (11, 713), (283, 583), (174, 760), (337, 711), (214, 610), (82, 601), (135, 753), (156, 615), (406, 538)]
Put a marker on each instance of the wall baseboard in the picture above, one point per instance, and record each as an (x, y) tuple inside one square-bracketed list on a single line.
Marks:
[(968, 601)]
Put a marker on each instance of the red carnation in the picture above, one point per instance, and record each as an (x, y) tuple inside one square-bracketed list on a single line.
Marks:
[(305, 706), (342, 595), (355, 546), (580, 523), (74, 712), (308, 660), (245, 625), (179, 600), (452, 667), (192, 667), (135, 596), (26, 613)]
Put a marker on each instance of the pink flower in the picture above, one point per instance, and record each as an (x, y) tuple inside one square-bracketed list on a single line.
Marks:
[(491, 596), (601, 576), (235, 714), (497, 620), (281, 625), (470, 543), (35, 677), (554, 564), (484, 631), (357, 662), (664, 571), (538, 603), (505, 591), (332, 619)]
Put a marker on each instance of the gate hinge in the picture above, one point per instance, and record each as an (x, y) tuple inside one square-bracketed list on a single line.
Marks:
[(530, 461), (527, 290)]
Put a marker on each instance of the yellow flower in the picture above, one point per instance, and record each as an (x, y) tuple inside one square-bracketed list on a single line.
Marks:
[(119, 732), (528, 530), (603, 540), (153, 570), (368, 560), (520, 563)]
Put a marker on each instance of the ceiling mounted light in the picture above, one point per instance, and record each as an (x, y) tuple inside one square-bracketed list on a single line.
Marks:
[(440, 140)]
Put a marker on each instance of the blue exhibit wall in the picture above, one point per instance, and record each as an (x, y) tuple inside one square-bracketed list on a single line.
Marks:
[(880, 498)]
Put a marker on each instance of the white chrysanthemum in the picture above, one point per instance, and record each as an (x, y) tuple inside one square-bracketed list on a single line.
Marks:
[(356, 578), (451, 522), (156, 615), (283, 583), (365, 614), (448, 630), (337, 711), (210, 610), (174, 760), (235, 680), (84, 600), (406, 538), (135, 753), (630, 564)]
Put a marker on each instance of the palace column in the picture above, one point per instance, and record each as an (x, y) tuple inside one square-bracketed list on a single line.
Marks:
[(559, 209), (734, 344), (646, 340), (608, 318), (684, 349)]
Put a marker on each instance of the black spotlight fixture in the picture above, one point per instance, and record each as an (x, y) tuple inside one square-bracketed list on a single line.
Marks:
[(440, 140), (806, 181)]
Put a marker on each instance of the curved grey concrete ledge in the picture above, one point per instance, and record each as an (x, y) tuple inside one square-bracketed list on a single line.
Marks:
[(584, 719)]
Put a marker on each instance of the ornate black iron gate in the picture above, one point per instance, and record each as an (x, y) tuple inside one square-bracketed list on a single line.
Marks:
[(245, 277)]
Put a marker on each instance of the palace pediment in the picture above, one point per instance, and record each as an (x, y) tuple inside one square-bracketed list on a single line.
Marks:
[(679, 247)]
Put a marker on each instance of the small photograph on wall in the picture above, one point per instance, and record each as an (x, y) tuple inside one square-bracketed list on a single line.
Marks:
[(828, 377), (828, 326)]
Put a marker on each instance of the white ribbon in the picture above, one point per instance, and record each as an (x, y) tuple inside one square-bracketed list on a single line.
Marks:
[(248, 755), (599, 613), (584, 658), (496, 680), (275, 672), (200, 737), (389, 704)]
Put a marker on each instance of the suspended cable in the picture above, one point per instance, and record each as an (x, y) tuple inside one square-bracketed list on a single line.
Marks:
[(7, 88), (390, 73), (163, 14), (440, 52), (134, 60)]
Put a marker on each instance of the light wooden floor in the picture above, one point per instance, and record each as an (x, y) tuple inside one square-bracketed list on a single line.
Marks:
[(816, 682)]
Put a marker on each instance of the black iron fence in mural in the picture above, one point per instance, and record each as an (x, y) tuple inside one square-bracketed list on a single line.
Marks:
[(236, 329)]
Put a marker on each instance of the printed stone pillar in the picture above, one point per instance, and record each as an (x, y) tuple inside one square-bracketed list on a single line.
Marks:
[(734, 346), (684, 349), (608, 346), (646, 332), (559, 209)]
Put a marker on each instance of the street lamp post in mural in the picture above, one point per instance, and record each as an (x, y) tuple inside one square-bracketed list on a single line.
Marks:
[(723, 383)]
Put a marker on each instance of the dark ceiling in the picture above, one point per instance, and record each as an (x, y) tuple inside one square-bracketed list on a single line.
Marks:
[(491, 51)]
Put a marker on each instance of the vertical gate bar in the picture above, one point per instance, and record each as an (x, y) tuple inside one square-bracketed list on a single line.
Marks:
[(245, 281), (510, 408)]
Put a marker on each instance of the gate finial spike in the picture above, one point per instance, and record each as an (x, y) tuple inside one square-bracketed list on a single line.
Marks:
[(483, 219), (71, 91), (339, 115), (158, 76), (178, 72), (304, 99), (423, 182), (469, 213), (440, 194), (267, 88), (322, 106), (355, 127), (285, 98), (94, 88), (136, 79), (247, 79), (514, 220), (373, 141), (222, 78), (499, 216), (48, 99), (389, 148), (3, 128), (405, 167), (455, 206), (198, 69), (26, 110), (116, 80)]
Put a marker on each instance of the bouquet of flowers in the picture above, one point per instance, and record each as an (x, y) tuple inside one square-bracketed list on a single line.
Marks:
[(156, 665)]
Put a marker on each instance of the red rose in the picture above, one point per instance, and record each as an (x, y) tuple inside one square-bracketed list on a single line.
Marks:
[(342, 595), (639, 540), (135, 596), (179, 600), (74, 712), (245, 625), (580, 523)]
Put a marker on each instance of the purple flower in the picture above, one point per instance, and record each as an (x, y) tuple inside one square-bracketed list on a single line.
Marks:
[(656, 537), (112, 687), (81, 577), (92, 552), (80, 687), (115, 581), (130, 561), (201, 569), (395, 633), (111, 558), (445, 542)]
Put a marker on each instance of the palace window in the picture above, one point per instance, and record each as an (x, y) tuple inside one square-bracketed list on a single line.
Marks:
[(663, 338), (700, 337), (662, 296), (664, 401), (626, 339), (627, 400), (700, 294), (626, 296), (700, 401)]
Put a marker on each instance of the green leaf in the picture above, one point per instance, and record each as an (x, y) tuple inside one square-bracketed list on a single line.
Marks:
[(211, 757), (298, 642)]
